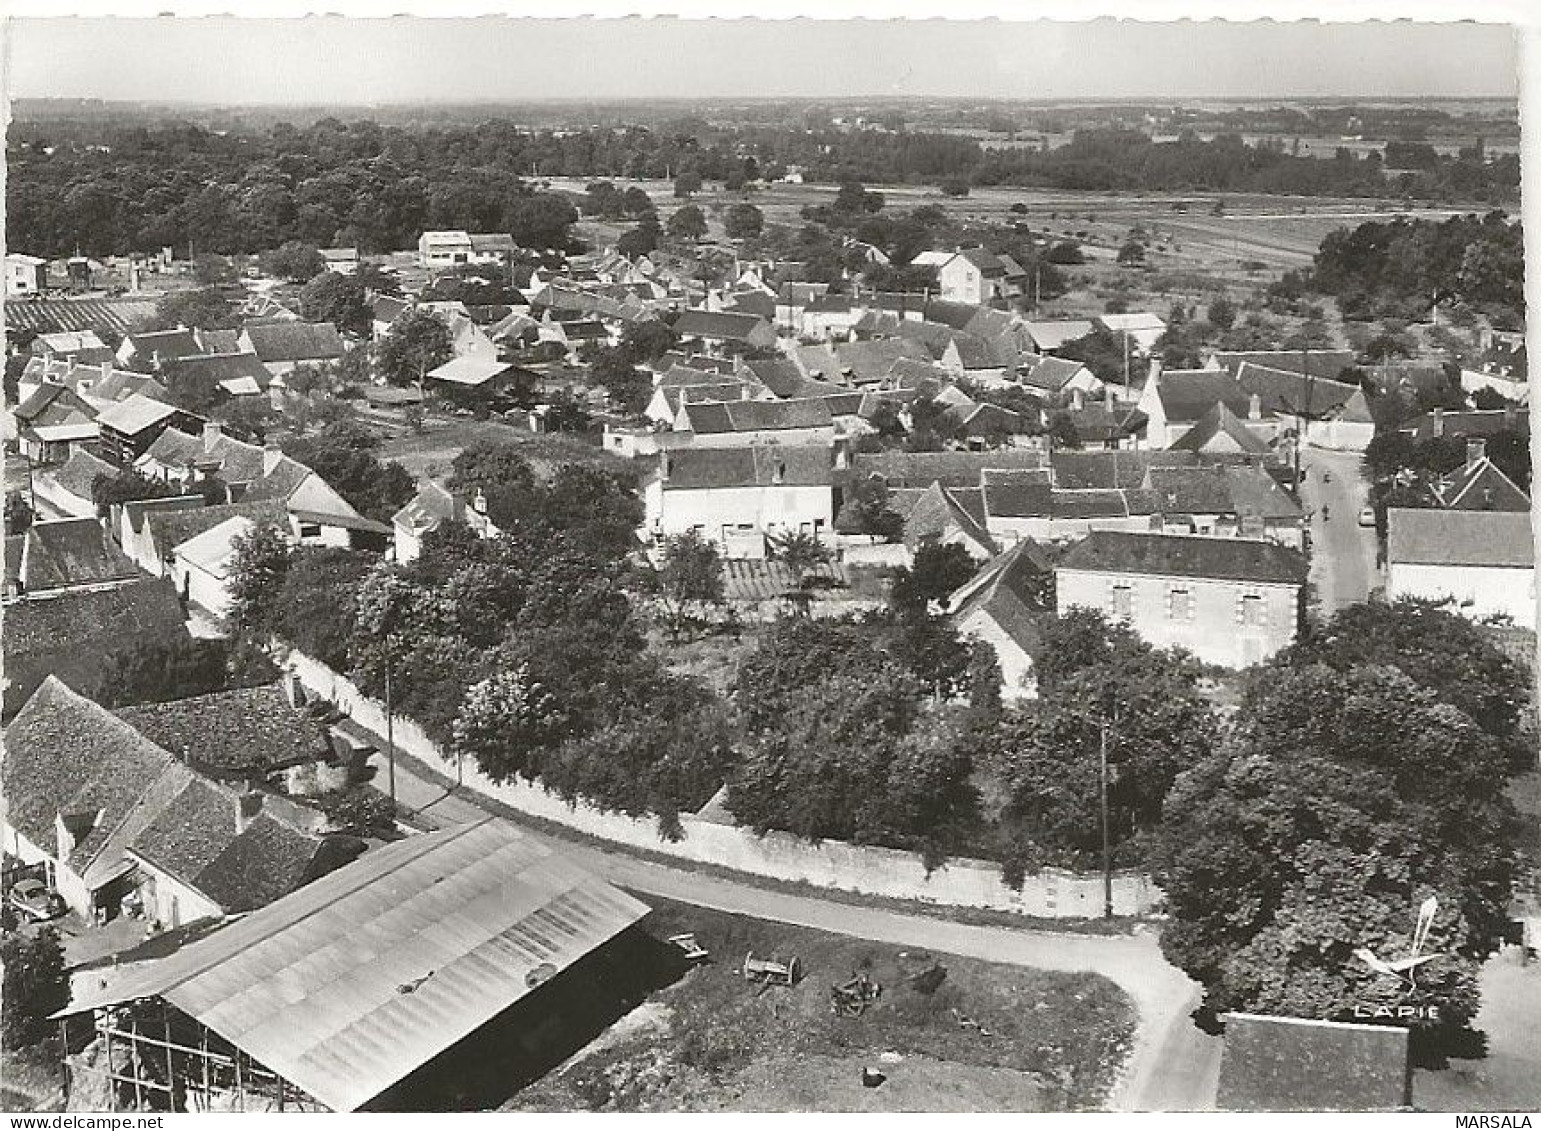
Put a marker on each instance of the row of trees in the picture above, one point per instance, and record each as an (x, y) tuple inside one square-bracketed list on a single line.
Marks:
[(523, 652), (121, 187), (1404, 268)]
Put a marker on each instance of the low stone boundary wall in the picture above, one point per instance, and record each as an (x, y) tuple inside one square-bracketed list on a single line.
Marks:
[(1050, 894)]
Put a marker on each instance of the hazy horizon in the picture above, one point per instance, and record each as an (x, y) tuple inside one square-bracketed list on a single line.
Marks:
[(404, 61)]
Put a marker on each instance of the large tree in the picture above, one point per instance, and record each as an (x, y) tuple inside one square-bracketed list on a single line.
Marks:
[(203, 309), (1437, 649), (294, 261), (1339, 803), (689, 577), (343, 454), (687, 223), (743, 221), (338, 299), (416, 343), (36, 985), (257, 570), (147, 671), (1105, 689)]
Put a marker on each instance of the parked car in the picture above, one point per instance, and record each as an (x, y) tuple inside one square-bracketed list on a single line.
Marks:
[(1367, 516), (34, 900)]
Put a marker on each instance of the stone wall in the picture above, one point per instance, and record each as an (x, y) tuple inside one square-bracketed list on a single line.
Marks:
[(1050, 894)]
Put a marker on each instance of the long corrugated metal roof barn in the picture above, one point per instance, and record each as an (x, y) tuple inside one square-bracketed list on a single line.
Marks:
[(348, 985)]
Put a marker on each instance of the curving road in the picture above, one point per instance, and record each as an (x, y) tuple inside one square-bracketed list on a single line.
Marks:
[(1173, 1066)]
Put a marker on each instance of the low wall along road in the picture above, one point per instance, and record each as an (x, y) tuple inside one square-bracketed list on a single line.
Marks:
[(1050, 894)]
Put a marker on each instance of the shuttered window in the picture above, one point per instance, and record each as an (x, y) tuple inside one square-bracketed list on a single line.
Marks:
[(1179, 604)]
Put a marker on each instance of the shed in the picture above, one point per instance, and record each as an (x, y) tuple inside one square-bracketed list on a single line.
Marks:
[(348, 985)]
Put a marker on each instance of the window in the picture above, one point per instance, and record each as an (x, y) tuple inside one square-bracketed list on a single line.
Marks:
[(1123, 601), (1253, 611), (310, 530), (1179, 604)]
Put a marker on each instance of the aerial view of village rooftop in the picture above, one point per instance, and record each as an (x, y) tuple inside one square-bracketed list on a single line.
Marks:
[(810, 569)]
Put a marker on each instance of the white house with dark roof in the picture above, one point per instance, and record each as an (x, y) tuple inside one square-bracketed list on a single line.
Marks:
[(719, 329), (742, 422), (283, 345), (342, 260), (1482, 561), (1048, 336), (1000, 606), (148, 351), (1143, 328), (980, 278), (739, 496), (316, 513), (1229, 601), (432, 506), (25, 274), (1044, 373), (116, 819), (1479, 484), (1221, 432), (941, 516)]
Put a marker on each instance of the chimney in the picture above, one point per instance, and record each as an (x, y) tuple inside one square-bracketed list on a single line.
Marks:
[(294, 690), (247, 806), (212, 431), (1107, 397), (1437, 425), (1077, 401), (663, 466), (106, 370), (1509, 416), (479, 501), (1476, 449), (1254, 407), (155, 360)]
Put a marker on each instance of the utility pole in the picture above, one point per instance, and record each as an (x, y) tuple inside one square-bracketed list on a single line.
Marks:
[(1107, 839), (390, 727)]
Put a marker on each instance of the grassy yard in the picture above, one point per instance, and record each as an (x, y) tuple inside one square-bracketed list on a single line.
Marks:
[(431, 451), (1037, 1041)]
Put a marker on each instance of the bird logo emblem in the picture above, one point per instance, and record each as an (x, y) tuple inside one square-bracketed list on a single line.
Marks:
[(1405, 969)]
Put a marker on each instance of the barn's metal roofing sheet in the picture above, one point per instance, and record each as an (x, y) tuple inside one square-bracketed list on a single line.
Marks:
[(349, 984)]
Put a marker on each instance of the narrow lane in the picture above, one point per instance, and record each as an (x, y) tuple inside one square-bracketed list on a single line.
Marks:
[(1173, 1066), (1343, 568)]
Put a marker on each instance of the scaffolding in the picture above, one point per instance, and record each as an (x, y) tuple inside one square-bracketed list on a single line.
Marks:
[(153, 1057)]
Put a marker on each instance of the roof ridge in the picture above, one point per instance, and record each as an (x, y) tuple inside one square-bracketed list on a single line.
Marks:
[(171, 759), (421, 843)]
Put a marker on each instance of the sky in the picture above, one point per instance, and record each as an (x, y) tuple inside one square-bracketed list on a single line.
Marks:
[(363, 61)]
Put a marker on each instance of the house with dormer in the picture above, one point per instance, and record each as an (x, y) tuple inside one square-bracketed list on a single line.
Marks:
[(120, 821)]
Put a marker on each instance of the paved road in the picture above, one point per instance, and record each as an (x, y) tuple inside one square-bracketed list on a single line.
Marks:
[(1173, 1067), (1343, 566)]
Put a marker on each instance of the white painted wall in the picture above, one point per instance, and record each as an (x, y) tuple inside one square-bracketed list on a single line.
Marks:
[(1051, 893), (1214, 634), (1490, 589), (765, 509), (1017, 679)]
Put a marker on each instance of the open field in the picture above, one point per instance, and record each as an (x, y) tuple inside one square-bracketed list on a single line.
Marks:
[(1281, 231), (712, 1042)]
